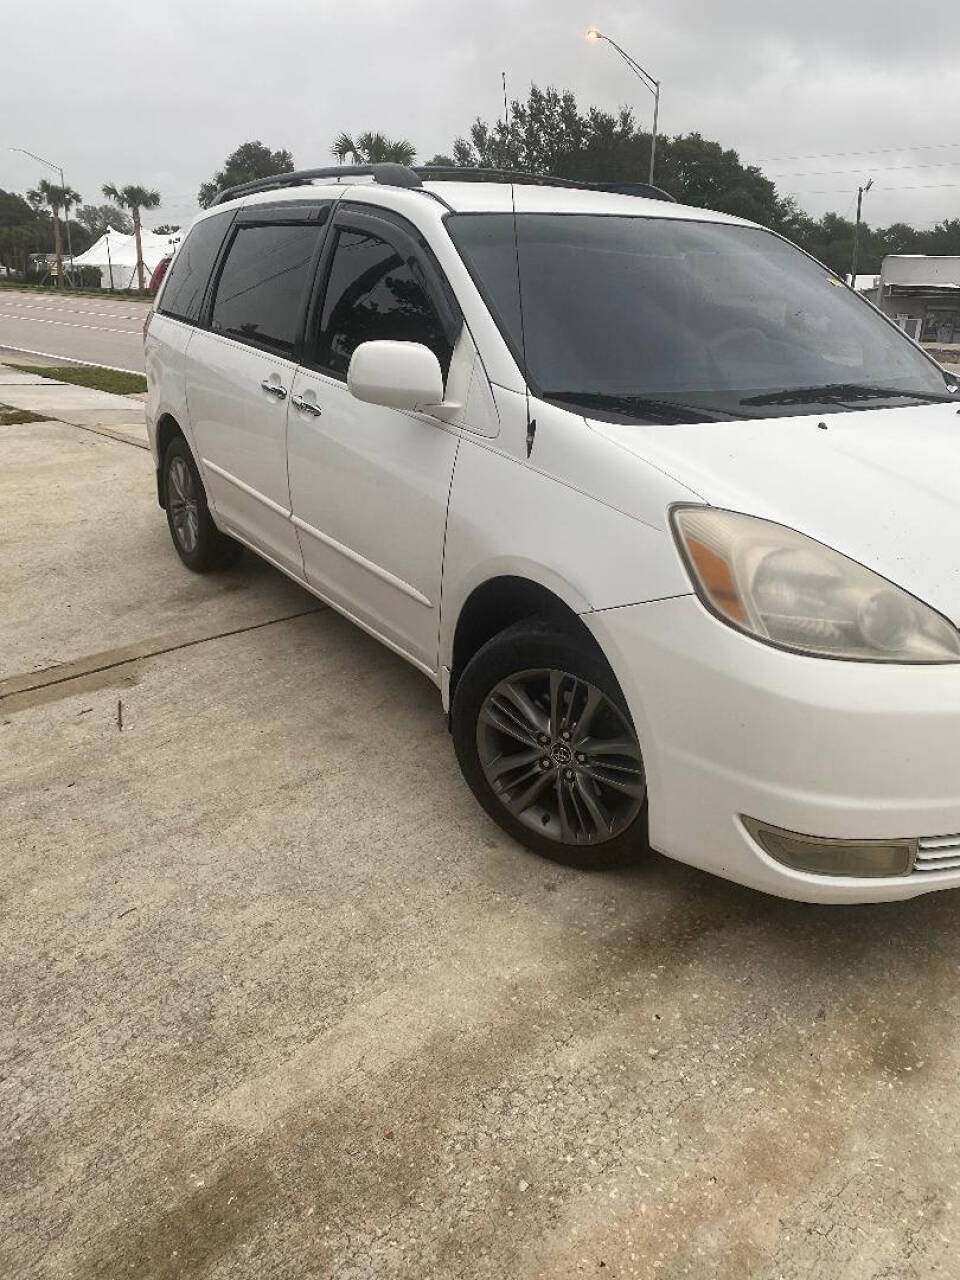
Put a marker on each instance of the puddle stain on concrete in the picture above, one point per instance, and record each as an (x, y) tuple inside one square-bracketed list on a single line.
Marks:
[(111, 666), (303, 1144), (124, 677)]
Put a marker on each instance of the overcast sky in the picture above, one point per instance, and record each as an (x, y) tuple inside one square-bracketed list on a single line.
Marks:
[(160, 93)]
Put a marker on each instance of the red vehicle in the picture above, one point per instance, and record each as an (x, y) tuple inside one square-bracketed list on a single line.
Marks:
[(159, 271)]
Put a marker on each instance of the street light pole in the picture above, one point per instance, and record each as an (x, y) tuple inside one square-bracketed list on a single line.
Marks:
[(647, 79), (856, 235), (653, 136), (63, 187), (106, 236)]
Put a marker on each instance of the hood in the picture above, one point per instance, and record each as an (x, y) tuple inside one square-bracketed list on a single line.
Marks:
[(881, 486)]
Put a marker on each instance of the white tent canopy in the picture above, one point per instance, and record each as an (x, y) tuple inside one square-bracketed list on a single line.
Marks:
[(118, 252)]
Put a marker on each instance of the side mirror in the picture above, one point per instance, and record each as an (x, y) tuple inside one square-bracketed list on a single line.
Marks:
[(400, 375)]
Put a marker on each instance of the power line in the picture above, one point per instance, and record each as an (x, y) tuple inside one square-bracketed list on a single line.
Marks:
[(888, 168), (839, 155), (933, 186)]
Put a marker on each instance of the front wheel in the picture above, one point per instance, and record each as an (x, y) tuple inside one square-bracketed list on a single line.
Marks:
[(546, 743)]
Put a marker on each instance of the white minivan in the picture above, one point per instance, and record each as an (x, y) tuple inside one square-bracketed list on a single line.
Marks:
[(668, 513)]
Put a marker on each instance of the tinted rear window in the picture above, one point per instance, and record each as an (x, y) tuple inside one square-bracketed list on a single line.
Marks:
[(263, 284), (190, 270)]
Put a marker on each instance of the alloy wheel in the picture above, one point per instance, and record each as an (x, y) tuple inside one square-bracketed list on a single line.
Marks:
[(561, 756), (183, 505)]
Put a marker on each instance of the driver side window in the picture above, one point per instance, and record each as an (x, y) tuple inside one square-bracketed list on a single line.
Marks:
[(372, 293)]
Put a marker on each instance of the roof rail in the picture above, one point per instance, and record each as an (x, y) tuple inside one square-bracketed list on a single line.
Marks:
[(454, 173), (400, 175), (646, 189), (392, 175)]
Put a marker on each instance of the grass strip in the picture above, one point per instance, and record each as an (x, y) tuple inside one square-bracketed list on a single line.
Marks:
[(20, 285), (120, 383), (10, 417)]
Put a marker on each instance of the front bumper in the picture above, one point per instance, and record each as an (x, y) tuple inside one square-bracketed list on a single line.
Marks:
[(732, 727)]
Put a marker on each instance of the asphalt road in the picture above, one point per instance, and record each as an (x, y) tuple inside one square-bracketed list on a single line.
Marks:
[(279, 1000), (105, 331)]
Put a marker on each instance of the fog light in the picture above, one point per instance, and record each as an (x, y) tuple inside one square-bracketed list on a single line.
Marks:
[(823, 857)]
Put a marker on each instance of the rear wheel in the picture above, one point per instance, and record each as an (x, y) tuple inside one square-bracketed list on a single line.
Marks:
[(546, 743), (199, 543)]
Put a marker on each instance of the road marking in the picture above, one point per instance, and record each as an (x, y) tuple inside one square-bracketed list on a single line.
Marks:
[(75, 311), (65, 673), (65, 324), (68, 360)]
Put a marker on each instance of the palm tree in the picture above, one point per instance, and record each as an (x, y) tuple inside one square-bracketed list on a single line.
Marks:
[(134, 198), (374, 148), (47, 195)]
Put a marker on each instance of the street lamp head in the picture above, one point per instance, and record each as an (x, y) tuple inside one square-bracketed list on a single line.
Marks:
[(869, 185), (594, 34)]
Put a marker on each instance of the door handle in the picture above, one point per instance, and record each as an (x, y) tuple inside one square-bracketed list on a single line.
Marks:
[(274, 389), (306, 406)]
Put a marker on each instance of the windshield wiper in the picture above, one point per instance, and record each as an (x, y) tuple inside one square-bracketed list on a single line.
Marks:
[(641, 406), (842, 392)]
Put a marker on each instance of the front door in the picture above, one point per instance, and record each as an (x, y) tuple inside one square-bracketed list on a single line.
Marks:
[(369, 484), (239, 374)]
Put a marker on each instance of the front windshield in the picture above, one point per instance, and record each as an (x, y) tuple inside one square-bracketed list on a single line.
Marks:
[(663, 319)]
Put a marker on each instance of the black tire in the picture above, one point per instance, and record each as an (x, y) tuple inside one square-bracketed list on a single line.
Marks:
[(197, 540), (526, 652)]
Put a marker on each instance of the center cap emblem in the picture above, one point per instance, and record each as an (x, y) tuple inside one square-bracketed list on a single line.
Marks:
[(562, 753)]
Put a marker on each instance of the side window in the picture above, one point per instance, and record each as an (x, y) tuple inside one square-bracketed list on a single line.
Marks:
[(186, 281), (263, 284), (372, 293)]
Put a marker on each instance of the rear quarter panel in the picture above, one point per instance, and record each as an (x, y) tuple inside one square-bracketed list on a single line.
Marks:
[(164, 354)]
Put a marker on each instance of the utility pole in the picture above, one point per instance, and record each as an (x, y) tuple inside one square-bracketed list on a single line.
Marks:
[(856, 235)]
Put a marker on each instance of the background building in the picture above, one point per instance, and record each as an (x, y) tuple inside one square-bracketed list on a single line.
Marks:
[(922, 294)]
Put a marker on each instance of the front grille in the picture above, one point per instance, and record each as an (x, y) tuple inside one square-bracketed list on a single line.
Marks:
[(937, 853)]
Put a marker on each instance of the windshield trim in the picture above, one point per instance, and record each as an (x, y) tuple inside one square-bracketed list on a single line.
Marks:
[(723, 221)]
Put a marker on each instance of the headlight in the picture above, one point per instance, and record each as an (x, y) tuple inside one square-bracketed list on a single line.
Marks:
[(789, 590)]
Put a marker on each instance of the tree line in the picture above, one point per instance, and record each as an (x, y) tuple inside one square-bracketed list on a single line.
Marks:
[(548, 134), (52, 219)]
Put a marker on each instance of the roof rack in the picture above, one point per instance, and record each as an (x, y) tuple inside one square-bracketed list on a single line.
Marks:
[(401, 175), (454, 173), (391, 175)]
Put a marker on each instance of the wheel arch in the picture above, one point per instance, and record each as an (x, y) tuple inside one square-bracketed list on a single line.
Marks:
[(497, 603), (168, 428)]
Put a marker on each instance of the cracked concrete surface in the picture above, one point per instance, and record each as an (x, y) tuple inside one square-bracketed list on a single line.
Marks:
[(280, 1001)]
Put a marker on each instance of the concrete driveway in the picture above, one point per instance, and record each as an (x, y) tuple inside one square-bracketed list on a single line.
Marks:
[(280, 1001)]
